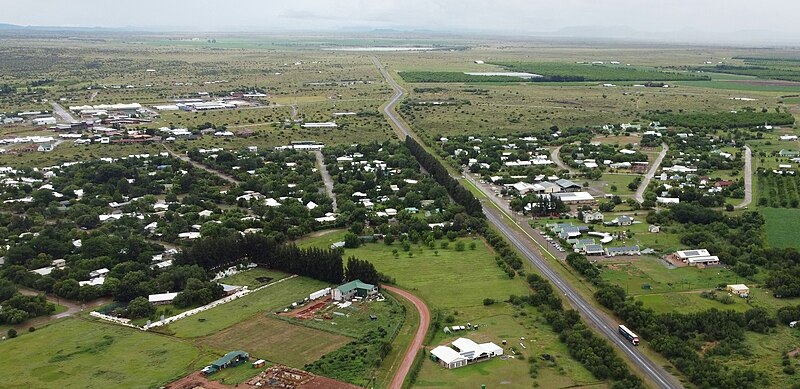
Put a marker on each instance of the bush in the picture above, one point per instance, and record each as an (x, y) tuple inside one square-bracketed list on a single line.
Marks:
[(12, 333), (487, 301)]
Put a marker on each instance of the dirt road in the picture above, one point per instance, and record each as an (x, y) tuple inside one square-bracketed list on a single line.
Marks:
[(326, 177), (419, 336), (650, 173), (185, 158)]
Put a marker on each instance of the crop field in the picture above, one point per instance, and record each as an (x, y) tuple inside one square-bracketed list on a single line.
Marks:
[(782, 226), (590, 72), (75, 353), (276, 340), (266, 300)]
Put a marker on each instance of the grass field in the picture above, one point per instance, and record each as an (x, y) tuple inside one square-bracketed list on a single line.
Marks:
[(621, 181), (356, 322), (250, 277), (75, 353), (782, 225), (266, 300), (276, 340), (767, 351), (633, 274)]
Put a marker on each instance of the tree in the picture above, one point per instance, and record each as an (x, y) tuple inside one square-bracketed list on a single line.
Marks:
[(7, 290), (351, 240), (140, 307), (12, 333), (460, 245)]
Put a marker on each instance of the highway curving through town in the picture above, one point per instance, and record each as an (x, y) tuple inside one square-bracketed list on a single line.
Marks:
[(603, 323)]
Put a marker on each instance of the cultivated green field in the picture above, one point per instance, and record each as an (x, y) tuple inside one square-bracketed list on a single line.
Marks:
[(76, 353), (782, 225)]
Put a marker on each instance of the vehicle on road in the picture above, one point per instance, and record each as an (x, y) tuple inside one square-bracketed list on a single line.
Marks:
[(628, 334)]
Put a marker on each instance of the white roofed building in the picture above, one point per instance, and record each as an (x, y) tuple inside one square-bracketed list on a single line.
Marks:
[(464, 351)]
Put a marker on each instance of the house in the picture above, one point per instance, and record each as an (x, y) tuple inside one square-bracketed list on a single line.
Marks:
[(45, 121), (789, 137), (98, 273), (667, 200), (46, 147), (624, 250), (353, 289), (162, 298), (739, 289), (788, 153), (623, 220), (231, 359), (463, 352), (724, 183), (697, 257), (589, 217)]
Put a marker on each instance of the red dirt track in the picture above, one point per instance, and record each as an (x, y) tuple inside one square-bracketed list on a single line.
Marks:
[(419, 336)]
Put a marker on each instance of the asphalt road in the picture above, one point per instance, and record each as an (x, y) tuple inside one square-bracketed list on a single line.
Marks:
[(748, 178), (326, 178), (419, 336), (62, 113), (650, 173), (654, 373)]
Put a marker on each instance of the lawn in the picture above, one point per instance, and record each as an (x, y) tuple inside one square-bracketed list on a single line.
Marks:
[(251, 277), (74, 353), (266, 300), (276, 340), (782, 225), (427, 270), (621, 181), (503, 322)]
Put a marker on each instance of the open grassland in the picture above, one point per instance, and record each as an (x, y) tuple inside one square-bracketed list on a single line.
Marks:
[(633, 274), (687, 302), (268, 299), (276, 340), (766, 352), (75, 353)]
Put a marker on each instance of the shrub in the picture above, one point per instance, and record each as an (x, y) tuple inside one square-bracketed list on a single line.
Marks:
[(488, 301)]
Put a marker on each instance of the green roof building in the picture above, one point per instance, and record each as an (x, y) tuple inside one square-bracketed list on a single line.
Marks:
[(231, 359), (352, 289)]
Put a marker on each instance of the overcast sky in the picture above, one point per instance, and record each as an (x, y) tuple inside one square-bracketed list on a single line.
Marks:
[(504, 16)]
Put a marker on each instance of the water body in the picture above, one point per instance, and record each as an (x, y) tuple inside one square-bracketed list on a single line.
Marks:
[(509, 74), (381, 48)]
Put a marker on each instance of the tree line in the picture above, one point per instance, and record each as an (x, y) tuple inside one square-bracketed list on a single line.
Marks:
[(457, 192), (320, 264), (745, 118)]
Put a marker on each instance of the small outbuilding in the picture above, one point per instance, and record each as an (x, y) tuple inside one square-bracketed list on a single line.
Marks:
[(740, 289)]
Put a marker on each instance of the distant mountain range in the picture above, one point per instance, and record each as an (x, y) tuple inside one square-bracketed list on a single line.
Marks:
[(581, 33)]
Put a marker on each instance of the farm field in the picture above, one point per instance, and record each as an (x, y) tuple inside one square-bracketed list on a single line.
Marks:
[(76, 353), (276, 340), (266, 300), (782, 225)]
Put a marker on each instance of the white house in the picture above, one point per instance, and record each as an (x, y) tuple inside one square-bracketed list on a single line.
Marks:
[(740, 289), (589, 217), (789, 137), (463, 352)]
